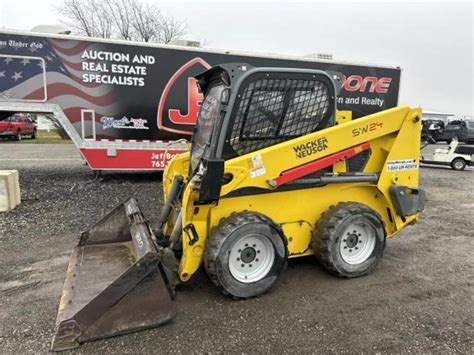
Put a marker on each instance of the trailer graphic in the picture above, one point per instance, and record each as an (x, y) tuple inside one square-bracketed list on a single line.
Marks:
[(132, 106)]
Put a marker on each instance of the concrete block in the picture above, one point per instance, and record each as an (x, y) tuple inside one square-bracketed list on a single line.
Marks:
[(9, 190)]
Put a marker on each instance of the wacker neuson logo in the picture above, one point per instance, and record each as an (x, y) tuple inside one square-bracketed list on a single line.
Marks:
[(311, 147)]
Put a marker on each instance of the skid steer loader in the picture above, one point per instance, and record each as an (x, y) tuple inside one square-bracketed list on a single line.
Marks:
[(274, 172)]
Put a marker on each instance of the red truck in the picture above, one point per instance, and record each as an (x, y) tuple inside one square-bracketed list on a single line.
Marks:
[(16, 126)]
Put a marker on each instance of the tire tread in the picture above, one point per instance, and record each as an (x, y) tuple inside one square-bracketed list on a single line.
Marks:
[(217, 237), (324, 232)]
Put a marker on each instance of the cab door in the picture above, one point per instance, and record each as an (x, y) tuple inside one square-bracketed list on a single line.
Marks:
[(15, 123), (29, 125), (24, 125)]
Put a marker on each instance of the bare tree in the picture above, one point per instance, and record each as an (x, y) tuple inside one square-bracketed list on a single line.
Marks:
[(170, 28), (119, 9), (88, 17), (102, 17), (77, 12), (135, 20), (144, 20)]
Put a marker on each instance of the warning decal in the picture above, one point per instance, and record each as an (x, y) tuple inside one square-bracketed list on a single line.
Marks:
[(256, 166)]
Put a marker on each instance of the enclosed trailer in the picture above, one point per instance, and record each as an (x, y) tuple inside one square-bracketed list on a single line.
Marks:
[(132, 105)]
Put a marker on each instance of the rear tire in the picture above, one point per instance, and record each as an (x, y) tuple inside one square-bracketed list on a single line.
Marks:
[(245, 254), (18, 136), (458, 164), (349, 240), (33, 135)]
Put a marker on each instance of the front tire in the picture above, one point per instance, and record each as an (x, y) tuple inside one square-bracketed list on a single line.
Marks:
[(33, 135), (245, 254), (458, 164), (18, 136), (349, 240)]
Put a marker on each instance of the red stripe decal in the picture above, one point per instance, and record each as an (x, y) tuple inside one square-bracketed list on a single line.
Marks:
[(316, 165)]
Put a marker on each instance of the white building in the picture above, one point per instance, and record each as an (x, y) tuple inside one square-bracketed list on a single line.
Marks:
[(43, 123), (441, 116)]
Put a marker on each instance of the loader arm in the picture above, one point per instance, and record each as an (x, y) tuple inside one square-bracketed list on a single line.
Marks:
[(387, 133)]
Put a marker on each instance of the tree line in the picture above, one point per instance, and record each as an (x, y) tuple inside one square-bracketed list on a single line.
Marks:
[(134, 20)]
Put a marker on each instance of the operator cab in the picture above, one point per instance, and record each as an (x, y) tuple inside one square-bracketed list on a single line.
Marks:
[(269, 106)]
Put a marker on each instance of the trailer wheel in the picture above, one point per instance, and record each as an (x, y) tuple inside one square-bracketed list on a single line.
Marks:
[(458, 164), (245, 254), (349, 240)]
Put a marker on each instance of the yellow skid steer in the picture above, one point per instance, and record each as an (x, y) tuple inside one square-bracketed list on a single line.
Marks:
[(274, 172)]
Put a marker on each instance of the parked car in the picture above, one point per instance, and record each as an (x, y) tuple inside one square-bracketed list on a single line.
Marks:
[(438, 131), (470, 132), (16, 126), (431, 130), (456, 155), (455, 129)]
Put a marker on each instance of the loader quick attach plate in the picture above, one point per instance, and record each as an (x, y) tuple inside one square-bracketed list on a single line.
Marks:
[(114, 282)]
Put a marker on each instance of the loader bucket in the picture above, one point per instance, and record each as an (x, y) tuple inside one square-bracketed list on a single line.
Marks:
[(114, 282)]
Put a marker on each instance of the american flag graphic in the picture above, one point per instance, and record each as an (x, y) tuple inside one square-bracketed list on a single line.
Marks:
[(56, 78)]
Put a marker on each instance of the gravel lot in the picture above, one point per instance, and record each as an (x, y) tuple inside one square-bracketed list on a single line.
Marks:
[(420, 298)]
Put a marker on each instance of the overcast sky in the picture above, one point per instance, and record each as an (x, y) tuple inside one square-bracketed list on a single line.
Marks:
[(431, 41)]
